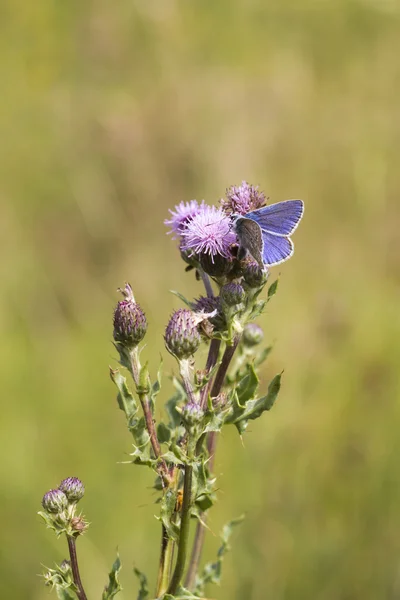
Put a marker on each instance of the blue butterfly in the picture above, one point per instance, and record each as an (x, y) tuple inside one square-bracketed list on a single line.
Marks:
[(264, 233)]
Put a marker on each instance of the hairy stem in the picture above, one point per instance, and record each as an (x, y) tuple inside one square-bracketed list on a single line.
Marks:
[(212, 358), (135, 369), (184, 531), (164, 571), (75, 569), (207, 283), (211, 447), (184, 371), (196, 552)]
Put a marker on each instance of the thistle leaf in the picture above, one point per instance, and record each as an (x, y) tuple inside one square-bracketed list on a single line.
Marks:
[(167, 510), (144, 587), (212, 571), (272, 289), (253, 409), (113, 586)]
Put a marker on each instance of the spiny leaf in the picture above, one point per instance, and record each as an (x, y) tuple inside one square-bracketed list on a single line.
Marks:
[(156, 388), (272, 289), (163, 433), (126, 401), (247, 385), (212, 571), (262, 356), (167, 510), (253, 409), (65, 594), (114, 585), (144, 587), (181, 297)]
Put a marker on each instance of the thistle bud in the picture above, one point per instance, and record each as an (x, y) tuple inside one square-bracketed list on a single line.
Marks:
[(252, 335), (254, 275), (55, 501), (182, 337), (73, 488), (192, 414), (207, 304), (232, 294), (130, 324)]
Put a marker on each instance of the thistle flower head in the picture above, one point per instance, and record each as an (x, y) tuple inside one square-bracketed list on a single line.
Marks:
[(254, 275), (192, 414), (130, 324), (207, 304), (182, 337), (183, 212), (73, 488), (54, 501), (252, 335), (209, 232), (242, 199)]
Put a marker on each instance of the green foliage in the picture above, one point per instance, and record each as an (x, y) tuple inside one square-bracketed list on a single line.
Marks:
[(113, 586), (144, 587), (60, 579), (136, 424), (213, 570), (245, 409)]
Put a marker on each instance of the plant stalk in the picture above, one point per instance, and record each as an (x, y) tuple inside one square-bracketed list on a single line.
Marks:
[(75, 569), (135, 369), (184, 531), (211, 447), (164, 572)]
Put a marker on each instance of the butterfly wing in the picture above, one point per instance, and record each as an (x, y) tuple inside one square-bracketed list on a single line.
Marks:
[(250, 237), (281, 218), (276, 248)]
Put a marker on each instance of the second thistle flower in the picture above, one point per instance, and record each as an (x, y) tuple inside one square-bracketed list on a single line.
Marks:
[(182, 337)]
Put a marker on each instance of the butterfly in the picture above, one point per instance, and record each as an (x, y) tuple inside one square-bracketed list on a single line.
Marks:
[(264, 233)]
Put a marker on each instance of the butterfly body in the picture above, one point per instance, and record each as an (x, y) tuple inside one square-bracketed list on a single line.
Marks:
[(264, 233)]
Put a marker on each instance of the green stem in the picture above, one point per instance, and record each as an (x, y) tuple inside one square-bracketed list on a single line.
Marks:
[(184, 370), (135, 369), (183, 532), (75, 569), (164, 572), (196, 552), (211, 447), (207, 283)]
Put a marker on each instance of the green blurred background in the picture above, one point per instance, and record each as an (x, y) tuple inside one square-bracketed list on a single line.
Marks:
[(112, 112)]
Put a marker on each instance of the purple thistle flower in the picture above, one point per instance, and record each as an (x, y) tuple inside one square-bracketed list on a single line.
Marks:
[(184, 212), (73, 488), (242, 199), (209, 232)]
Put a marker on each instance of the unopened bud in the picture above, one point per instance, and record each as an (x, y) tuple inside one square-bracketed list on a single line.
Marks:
[(130, 324), (192, 414), (209, 304), (252, 335), (232, 294), (73, 488), (55, 501), (254, 275), (182, 337)]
